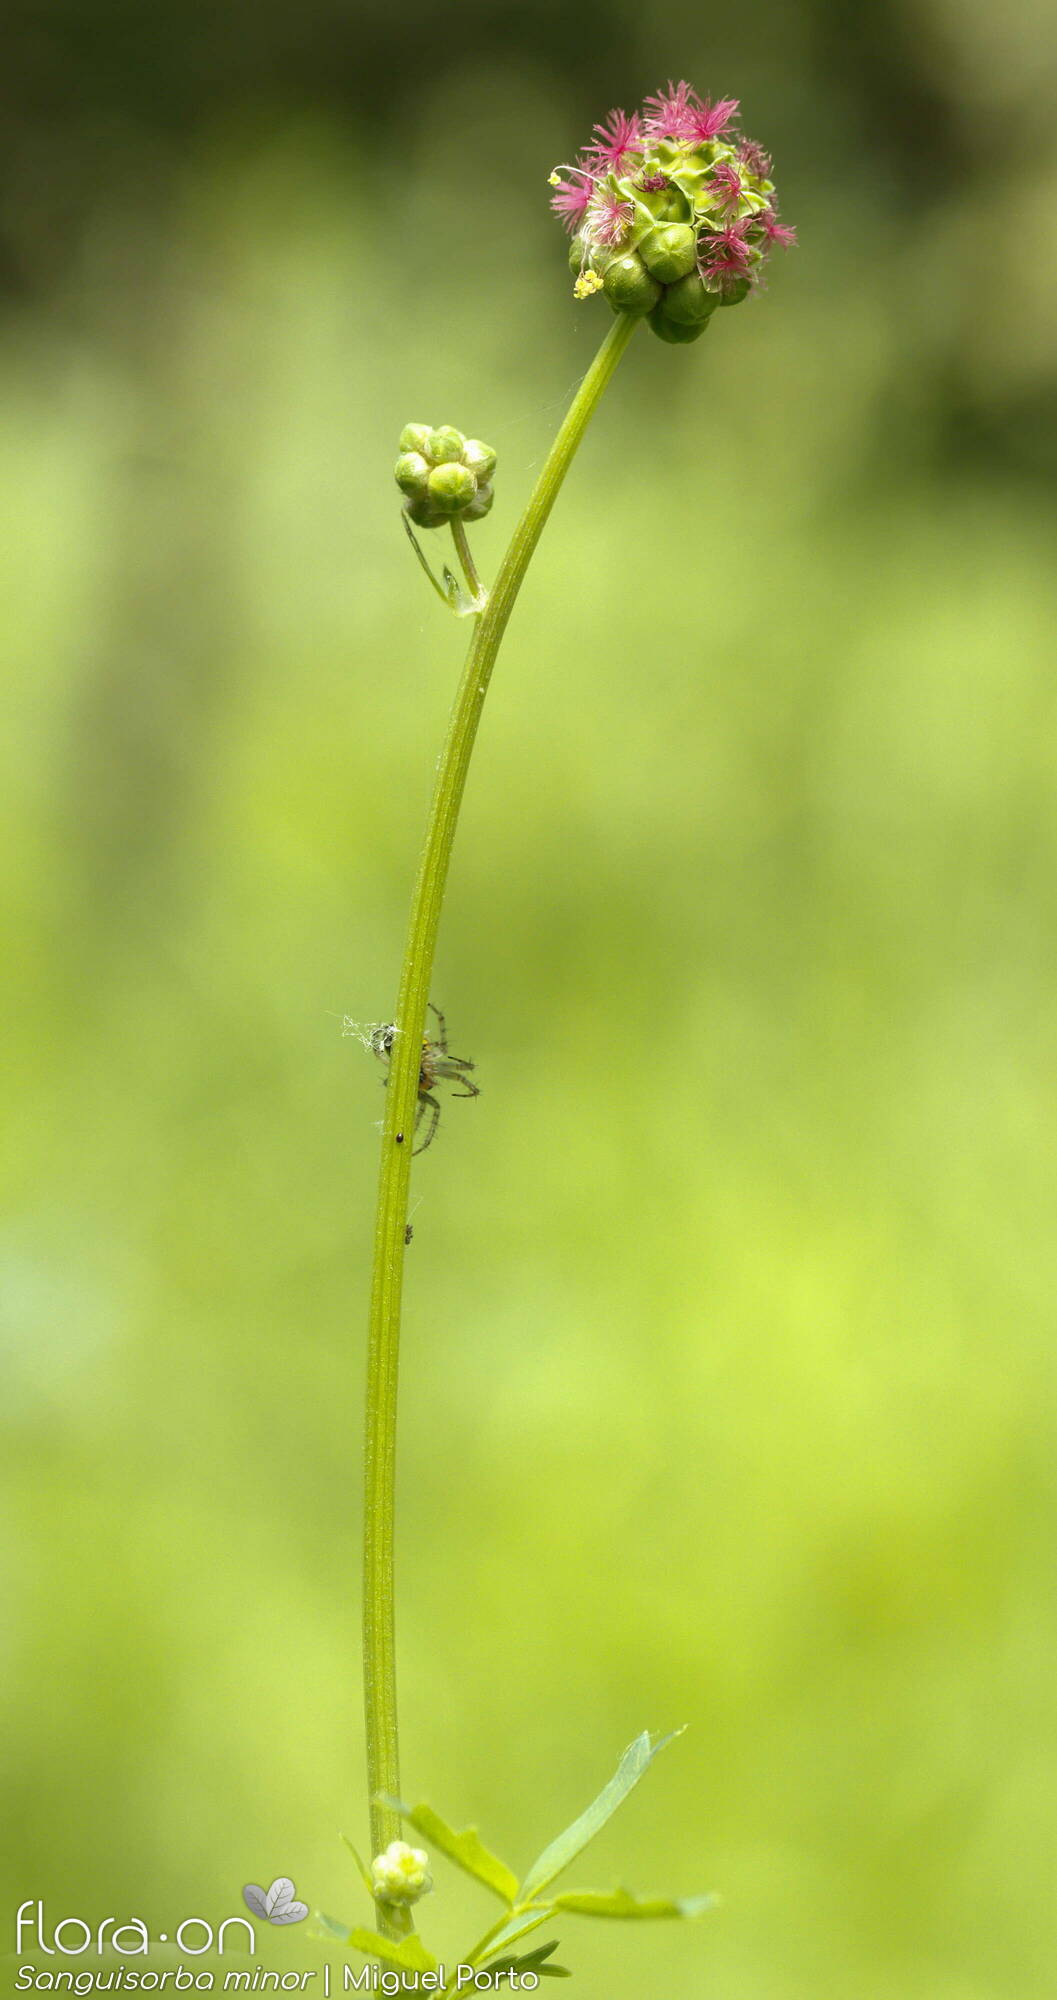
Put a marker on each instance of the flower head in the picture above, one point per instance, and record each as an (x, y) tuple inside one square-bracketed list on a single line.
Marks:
[(668, 114), (609, 218), (401, 1874), (571, 199), (618, 138), (671, 211)]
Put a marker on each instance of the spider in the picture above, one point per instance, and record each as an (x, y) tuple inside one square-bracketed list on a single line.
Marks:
[(435, 1064)]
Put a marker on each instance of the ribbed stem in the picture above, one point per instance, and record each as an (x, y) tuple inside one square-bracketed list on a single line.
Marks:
[(401, 1100)]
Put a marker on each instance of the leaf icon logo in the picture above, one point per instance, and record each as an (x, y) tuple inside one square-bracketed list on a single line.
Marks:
[(276, 1905)]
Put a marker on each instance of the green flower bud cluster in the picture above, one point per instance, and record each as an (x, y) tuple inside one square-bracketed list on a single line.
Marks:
[(671, 213), (444, 475), (401, 1874)]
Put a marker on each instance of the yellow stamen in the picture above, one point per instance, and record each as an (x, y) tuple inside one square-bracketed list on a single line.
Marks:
[(586, 283)]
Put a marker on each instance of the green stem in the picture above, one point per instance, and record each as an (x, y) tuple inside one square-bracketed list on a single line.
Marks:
[(401, 1101), (469, 567)]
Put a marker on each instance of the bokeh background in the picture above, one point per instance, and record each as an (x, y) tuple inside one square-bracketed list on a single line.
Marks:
[(728, 1392)]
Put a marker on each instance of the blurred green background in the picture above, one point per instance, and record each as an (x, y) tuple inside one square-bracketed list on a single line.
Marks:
[(728, 1391)]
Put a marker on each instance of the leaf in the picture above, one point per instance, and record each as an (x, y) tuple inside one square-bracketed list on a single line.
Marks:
[(332, 1926), (254, 1897), (621, 1903), (636, 1760), (289, 1913), (518, 1925), (532, 1961), (465, 1849), (281, 1892), (409, 1953), (364, 1873)]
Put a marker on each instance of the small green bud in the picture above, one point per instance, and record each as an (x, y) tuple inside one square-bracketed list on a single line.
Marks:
[(675, 331), (412, 472), (479, 457), (422, 511), (689, 300), (481, 504), (629, 287), (670, 252), (452, 487), (414, 437), (735, 293), (444, 446)]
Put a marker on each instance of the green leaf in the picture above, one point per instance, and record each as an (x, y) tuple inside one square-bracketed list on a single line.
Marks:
[(364, 1871), (331, 1926), (465, 1848), (408, 1953), (513, 1927), (621, 1903), (532, 1961), (637, 1759)]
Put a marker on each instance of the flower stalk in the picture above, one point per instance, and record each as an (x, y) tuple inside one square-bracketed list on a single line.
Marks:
[(401, 1103)]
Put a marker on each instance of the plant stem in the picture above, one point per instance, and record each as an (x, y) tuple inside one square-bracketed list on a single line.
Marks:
[(469, 567), (401, 1104)]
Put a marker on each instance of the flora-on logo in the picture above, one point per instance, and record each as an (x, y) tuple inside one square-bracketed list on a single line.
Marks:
[(276, 1905)]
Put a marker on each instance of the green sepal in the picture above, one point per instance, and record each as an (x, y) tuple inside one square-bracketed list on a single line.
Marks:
[(689, 300), (621, 1903), (669, 252), (480, 458), (411, 473), (735, 293), (408, 1953), (628, 285), (676, 332), (444, 446), (452, 487), (633, 1765), (466, 1849), (481, 504)]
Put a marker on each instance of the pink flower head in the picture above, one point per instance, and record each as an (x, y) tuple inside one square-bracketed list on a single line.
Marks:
[(571, 199), (608, 219), (669, 112), (754, 159), (617, 139), (775, 231), (725, 186), (725, 257), (707, 120)]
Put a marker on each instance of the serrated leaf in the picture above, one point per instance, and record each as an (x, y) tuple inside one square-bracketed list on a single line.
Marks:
[(408, 1953), (621, 1903), (634, 1763), (364, 1873), (508, 1932), (466, 1849)]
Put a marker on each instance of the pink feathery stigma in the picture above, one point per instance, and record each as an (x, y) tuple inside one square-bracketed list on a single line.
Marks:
[(668, 113), (608, 219), (724, 258), (617, 139), (725, 185), (707, 121), (775, 231), (754, 159), (571, 200), (652, 183)]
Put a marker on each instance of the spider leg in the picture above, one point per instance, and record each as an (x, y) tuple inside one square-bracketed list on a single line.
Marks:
[(424, 1099), (442, 1026), (468, 1090)]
